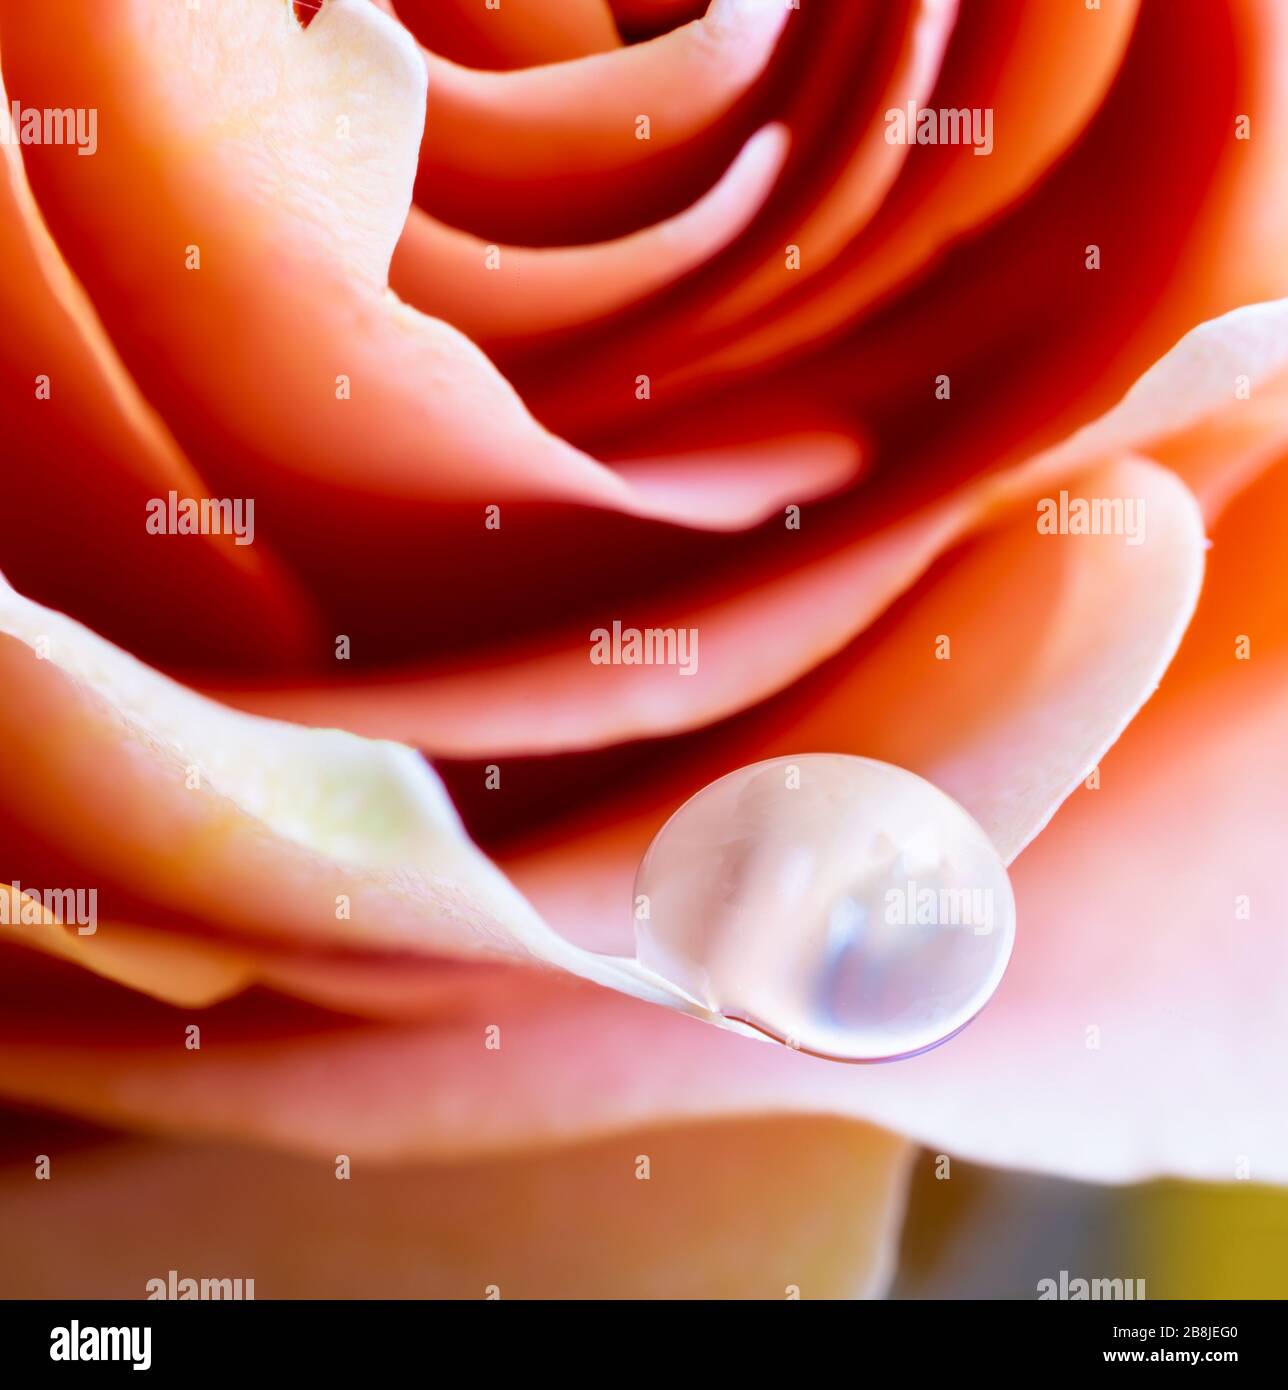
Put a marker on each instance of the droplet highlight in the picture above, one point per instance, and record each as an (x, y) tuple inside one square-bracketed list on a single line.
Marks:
[(841, 905)]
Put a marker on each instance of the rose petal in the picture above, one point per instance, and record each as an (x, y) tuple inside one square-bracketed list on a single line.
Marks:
[(166, 966), (226, 817), (441, 1090), (95, 438), (318, 158), (486, 709), (498, 144), (522, 33), (247, 824), (1055, 643), (453, 275), (1059, 64), (747, 1210)]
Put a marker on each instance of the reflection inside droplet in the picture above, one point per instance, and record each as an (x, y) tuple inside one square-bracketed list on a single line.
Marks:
[(839, 904)]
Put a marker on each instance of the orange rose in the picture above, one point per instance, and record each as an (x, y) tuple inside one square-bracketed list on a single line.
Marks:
[(790, 326)]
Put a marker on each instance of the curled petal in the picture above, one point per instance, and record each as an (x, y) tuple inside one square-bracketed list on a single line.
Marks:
[(496, 293), (498, 145)]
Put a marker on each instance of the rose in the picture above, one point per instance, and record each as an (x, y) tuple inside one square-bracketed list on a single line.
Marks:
[(766, 312)]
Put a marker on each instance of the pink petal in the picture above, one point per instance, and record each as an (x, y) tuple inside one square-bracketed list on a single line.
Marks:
[(756, 1209)]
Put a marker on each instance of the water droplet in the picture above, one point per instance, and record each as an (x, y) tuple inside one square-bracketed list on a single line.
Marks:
[(843, 904)]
